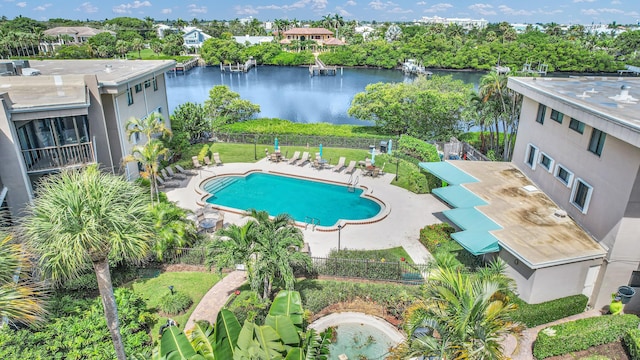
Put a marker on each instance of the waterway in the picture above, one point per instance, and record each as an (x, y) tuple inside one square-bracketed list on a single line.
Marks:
[(289, 92)]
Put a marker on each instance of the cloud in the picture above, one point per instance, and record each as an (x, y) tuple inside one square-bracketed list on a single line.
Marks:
[(350, 3), (482, 9), (42, 7), (21, 4), (342, 12), (437, 8), (550, 12), (194, 9), (87, 7), (126, 8), (420, 3), (616, 2), (380, 5), (318, 5), (581, 1), (245, 10), (166, 11), (509, 11), (589, 12)]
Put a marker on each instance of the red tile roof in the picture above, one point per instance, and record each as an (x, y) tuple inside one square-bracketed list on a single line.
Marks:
[(308, 31)]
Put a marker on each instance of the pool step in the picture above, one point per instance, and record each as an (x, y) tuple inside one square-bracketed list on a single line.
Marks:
[(218, 184)]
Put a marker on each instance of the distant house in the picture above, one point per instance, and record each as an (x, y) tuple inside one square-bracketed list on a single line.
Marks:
[(253, 40), (194, 37), (320, 35), (69, 35)]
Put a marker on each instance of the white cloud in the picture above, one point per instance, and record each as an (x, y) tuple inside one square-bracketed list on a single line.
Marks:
[(166, 11), (550, 12), (483, 9), (589, 11), (350, 3), (581, 1), (194, 9), (616, 2), (42, 7), (342, 12), (87, 7), (21, 4), (126, 8), (380, 5), (509, 11), (245, 10), (437, 8), (420, 3), (399, 10), (318, 5)]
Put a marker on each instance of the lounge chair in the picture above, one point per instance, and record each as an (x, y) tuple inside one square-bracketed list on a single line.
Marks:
[(185, 172), (207, 161), (166, 184), (196, 162), (174, 175), (340, 164), (294, 158), (216, 159), (304, 159), (351, 168)]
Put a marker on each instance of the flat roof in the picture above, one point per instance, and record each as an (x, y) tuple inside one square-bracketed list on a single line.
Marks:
[(447, 172), (596, 94), (30, 92), (109, 72), (530, 230)]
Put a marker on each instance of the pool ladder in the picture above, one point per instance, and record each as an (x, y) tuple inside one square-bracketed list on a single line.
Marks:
[(311, 221), (352, 183)]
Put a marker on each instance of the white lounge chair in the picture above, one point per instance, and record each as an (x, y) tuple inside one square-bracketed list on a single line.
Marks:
[(196, 162), (207, 161), (174, 175), (340, 164), (216, 159), (294, 158), (351, 168), (304, 159)]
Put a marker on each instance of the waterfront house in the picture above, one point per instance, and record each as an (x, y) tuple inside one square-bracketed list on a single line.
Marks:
[(194, 37), (72, 115), (319, 35)]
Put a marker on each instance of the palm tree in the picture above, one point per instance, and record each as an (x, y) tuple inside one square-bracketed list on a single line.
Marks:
[(21, 299), (137, 45), (149, 126), (122, 47), (149, 156), (82, 219), (172, 228), (460, 316)]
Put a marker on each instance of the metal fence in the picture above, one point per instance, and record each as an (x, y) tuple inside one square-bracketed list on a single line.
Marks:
[(190, 256), (403, 272), (304, 140)]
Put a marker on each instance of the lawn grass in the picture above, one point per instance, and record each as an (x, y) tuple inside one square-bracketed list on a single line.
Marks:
[(148, 54), (195, 284)]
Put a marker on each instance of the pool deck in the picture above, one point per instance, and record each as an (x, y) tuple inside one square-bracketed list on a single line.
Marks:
[(406, 212)]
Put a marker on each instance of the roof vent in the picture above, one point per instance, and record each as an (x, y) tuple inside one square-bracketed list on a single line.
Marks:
[(624, 96), (530, 188), (108, 68)]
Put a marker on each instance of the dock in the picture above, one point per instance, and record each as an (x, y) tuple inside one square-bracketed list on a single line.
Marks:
[(321, 69), (540, 70), (183, 67), (239, 67), (411, 67), (629, 69)]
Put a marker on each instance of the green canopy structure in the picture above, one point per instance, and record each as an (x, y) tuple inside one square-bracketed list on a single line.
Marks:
[(447, 172), (457, 196), (471, 219), (477, 242)]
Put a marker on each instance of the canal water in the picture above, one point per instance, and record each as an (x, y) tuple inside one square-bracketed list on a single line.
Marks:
[(289, 92)]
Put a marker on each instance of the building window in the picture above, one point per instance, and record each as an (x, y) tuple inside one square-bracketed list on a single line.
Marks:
[(155, 84), (576, 125), (563, 175), (129, 96), (546, 162), (581, 195), (597, 141), (138, 88), (147, 83), (542, 110), (557, 116), (530, 159)]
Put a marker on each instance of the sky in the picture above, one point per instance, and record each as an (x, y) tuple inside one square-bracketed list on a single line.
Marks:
[(540, 11)]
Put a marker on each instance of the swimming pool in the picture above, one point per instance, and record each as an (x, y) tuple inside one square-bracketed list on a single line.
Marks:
[(301, 199)]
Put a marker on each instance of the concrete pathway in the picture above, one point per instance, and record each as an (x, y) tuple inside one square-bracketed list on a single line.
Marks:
[(215, 298), (522, 348)]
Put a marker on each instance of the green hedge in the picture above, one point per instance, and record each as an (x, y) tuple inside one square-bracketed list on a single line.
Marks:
[(280, 126), (632, 342), (537, 314), (582, 334)]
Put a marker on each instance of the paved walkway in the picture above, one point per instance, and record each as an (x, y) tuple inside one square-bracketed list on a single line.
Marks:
[(522, 348), (216, 298)]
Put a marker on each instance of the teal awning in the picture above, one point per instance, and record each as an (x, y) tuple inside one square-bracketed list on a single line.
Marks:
[(447, 172), (457, 196), (471, 219), (477, 242)]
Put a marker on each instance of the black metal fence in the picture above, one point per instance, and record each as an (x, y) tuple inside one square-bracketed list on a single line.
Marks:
[(371, 269), (304, 140), (190, 256)]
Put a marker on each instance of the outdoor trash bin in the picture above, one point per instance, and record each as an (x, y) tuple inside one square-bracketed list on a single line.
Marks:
[(383, 146), (626, 293)]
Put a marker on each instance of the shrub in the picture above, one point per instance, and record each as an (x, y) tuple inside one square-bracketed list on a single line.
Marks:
[(537, 314), (418, 149), (582, 334), (248, 306), (174, 304), (632, 343), (204, 151)]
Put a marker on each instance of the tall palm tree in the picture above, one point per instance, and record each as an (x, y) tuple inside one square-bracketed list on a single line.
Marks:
[(21, 299), (122, 47), (460, 316), (149, 126), (149, 156), (137, 45), (85, 218)]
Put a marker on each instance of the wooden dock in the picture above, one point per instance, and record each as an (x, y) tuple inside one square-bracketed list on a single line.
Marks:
[(321, 69), (411, 67), (629, 69), (540, 70), (238, 67), (183, 67)]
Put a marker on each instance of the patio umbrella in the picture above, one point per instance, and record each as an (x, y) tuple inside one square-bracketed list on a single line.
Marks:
[(275, 145), (389, 147), (373, 156), (320, 150)]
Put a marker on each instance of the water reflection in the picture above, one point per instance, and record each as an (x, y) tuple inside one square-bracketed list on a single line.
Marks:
[(289, 92)]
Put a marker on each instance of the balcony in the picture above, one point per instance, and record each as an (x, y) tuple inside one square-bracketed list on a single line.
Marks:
[(58, 157)]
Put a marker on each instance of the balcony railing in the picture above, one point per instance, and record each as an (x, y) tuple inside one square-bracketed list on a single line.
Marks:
[(58, 157)]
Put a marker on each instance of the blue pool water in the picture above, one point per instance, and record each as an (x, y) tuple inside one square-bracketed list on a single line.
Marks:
[(299, 198)]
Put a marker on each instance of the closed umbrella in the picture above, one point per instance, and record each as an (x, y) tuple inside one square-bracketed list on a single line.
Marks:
[(275, 145), (373, 156), (389, 147), (320, 150)]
